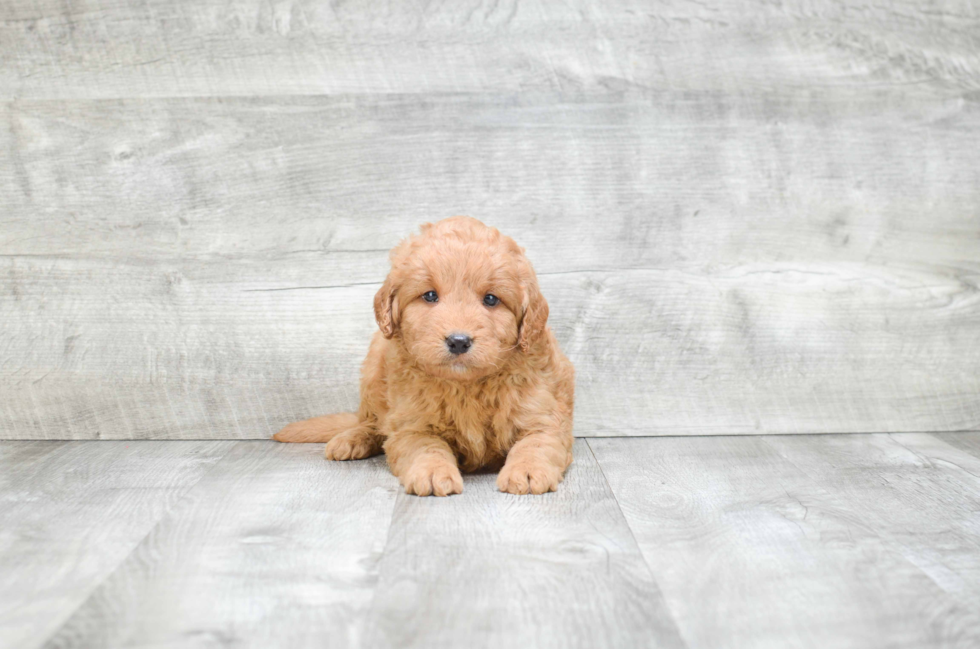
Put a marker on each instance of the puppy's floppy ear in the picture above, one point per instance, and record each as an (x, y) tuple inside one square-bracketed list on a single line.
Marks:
[(535, 315), (386, 307), (386, 299)]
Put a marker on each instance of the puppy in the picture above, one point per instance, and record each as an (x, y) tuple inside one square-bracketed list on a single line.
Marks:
[(464, 372)]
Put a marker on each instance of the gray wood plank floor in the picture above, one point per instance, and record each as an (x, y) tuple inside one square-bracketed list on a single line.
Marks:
[(273, 547), (71, 513), (758, 542), (762, 541), (496, 570)]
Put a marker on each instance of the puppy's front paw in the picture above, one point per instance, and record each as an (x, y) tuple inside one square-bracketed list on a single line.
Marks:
[(524, 477), (428, 477), (355, 445)]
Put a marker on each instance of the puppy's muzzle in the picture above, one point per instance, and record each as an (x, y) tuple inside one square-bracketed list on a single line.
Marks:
[(458, 343)]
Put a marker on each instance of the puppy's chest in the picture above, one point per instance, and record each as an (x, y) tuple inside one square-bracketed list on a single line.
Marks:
[(477, 415)]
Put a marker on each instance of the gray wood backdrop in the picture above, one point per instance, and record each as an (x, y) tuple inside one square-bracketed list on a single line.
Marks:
[(750, 217)]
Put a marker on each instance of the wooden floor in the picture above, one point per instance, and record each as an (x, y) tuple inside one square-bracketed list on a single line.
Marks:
[(774, 541)]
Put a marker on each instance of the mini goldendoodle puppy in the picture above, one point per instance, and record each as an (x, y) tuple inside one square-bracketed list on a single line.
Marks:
[(465, 372)]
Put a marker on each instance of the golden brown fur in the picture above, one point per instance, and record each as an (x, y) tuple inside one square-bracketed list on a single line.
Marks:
[(508, 400)]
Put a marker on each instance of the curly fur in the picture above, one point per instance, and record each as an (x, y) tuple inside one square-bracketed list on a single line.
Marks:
[(507, 401)]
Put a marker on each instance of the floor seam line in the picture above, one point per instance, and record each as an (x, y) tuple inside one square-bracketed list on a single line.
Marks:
[(180, 497), (399, 494), (636, 544)]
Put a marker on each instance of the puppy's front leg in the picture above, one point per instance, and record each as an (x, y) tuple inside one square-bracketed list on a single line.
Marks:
[(536, 463), (423, 463)]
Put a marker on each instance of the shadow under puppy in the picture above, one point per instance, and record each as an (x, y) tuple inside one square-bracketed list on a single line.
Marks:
[(464, 372)]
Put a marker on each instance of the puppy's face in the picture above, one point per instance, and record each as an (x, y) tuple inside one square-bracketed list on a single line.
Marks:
[(461, 298)]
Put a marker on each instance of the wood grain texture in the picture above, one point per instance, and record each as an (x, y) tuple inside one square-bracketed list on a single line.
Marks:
[(923, 493), (486, 569), (124, 48), (194, 268), (805, 541), (72, 512), (725, 541), (744, 216), (275, 547), (969, 442)]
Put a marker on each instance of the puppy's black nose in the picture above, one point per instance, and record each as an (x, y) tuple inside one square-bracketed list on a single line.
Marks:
[(458, 343)]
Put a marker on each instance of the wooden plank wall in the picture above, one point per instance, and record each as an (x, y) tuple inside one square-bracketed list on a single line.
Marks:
[(748, 217)]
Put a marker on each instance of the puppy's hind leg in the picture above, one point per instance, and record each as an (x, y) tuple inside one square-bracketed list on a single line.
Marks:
[(355, 443)]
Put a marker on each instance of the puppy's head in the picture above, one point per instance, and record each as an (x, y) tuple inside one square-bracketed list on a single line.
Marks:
[(461, 298)]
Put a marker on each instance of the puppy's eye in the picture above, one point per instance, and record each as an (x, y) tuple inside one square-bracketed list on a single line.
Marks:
[(430, 296), (490, 299)]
